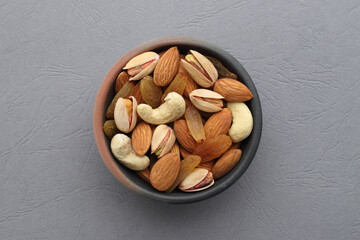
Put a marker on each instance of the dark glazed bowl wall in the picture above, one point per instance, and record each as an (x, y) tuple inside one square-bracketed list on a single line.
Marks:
[(128, 177)]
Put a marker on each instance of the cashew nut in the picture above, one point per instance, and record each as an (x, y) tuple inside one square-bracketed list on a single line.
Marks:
[(123, 151), (172, 109), (242, 121)]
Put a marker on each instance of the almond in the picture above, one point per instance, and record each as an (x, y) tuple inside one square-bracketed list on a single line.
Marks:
[(167, 67), (144, 174), (121, 79), (176, 85), (213, 148), (235, 145), (141, 138), (186, 167), (219, 123), (165, 171), (183, 152), (232, 90), (190, 83), (226, 163), (183, 135), (137, 94), (175, 149), (207, 165)]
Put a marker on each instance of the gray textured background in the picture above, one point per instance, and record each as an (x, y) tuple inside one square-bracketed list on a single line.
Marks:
[(304, 57)]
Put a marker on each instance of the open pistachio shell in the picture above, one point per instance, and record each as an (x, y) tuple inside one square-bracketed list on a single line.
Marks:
[(123, 121), (206, 64), (199, 176), (198, 76), (196, 97), (140, 60), (163, 140)]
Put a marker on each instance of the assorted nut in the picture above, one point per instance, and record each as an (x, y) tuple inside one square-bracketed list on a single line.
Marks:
[(162, 141), (125, 114), (183, 135), (219, 123), (169, 106), (206, 100), (172, 109), (226, 163), (121, 148), (165, 171), (167, 68), (141, 138), (199, 179), (200, 69), (242, 121), (141, 65), (232, 90)]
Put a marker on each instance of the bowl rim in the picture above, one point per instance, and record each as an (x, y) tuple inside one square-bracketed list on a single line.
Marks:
[(99, 106)]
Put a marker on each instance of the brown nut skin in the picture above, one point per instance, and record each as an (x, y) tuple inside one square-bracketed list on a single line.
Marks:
[(144, 174), (186, 167), (165, 171), (235, 145), (175, 149), (137, 94), (226, 163), (207, 165), (190, 85), (183, 135), (124, 92), (141, 138), (213, 148), (232, 90), (176, 85), (219, 123), (183, 152), (110, 129), (167, 67), (121, 79)]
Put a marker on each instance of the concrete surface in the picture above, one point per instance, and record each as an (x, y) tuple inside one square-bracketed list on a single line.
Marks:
[(304, 57)]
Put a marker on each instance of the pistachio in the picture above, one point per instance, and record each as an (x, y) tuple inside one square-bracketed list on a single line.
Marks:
[(200, 69), (125, 114), (141, 65), (199, 179), (206, 100), (163, 140)]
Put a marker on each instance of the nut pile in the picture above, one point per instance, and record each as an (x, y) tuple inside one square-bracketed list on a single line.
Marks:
[(170, 106)]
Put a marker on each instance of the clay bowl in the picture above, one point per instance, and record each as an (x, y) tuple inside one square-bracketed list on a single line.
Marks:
[(128, 177)]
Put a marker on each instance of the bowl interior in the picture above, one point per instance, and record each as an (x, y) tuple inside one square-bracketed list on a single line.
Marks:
[(248, 146)]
